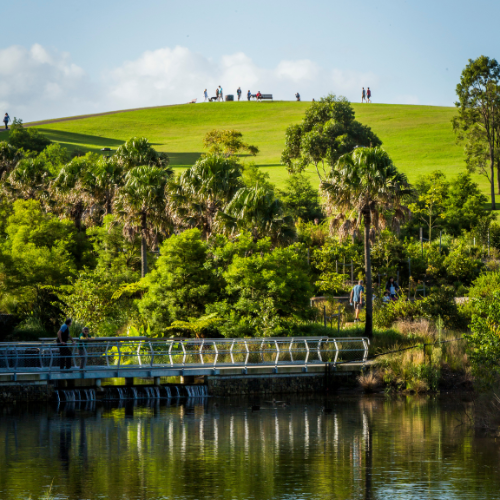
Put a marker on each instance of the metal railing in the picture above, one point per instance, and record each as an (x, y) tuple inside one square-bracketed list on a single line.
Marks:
[(121, 353)]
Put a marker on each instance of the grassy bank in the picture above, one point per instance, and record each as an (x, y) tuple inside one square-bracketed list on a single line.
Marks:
[(419, 138)]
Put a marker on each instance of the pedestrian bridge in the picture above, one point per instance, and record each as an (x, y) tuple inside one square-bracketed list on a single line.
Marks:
[(128, 357)]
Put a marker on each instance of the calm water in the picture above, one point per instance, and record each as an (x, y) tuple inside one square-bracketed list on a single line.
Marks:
[(380, 448)]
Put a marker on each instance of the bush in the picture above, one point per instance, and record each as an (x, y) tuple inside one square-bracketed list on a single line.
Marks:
[(29, 139)]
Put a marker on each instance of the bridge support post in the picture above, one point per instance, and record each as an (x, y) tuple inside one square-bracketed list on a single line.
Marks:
[(129, 381), (157, 381)]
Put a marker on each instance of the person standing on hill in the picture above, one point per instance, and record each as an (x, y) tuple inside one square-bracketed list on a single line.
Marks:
[(363, 95), (6, 120), (297, 95), (206, 95), (249, 95), (220, 93), (216, 94), (368, 95), (356, 299), (239, 93)]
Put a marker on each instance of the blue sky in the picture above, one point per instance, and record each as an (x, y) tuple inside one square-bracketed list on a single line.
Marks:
[(65, 57)]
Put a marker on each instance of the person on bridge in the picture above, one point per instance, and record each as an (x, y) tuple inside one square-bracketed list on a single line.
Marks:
[(82, 352), (64, 351), (356, 299)]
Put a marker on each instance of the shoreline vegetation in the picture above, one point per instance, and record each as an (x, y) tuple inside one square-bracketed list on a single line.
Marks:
[(125, 245)]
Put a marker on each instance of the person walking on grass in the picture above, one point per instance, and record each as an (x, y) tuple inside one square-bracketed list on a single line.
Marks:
[(363, 95), (206, 95), (63, 337), (356, 299), (82, 352), (368, 95), (220, 93), (239, 93), (6, 120), (249, 95)]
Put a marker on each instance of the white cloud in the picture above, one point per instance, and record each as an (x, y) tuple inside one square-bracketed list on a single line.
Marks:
[(37, 83)]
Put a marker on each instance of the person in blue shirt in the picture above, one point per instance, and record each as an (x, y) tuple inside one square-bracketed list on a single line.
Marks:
[(63, 337), (221, 95), (6, 120), (249, 95), (239, 93), (206, 95), (356, 299)]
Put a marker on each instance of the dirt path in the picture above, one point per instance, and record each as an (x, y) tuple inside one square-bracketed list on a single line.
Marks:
[(81, 117)]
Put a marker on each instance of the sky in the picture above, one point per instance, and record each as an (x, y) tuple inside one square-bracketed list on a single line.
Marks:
[(65, 57)]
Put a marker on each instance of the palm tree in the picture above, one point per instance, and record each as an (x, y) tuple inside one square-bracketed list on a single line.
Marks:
[(259, 211), (140, 204), (138, 151), (364, 187), (205, 189), (28, 180)]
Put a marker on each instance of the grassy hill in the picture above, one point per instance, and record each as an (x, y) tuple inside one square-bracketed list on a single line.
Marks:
[(418, 138)]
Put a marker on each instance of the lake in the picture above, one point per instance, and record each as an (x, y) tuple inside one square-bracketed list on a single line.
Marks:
[(363, 447)]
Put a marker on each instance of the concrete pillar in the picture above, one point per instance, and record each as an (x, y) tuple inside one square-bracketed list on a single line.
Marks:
[(129, 381), (157, 381)]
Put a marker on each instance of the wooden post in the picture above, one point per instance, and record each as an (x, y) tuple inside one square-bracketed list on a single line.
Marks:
[(324, 315)]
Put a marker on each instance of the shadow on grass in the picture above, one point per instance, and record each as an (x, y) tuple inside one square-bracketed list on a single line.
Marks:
[(83, 141)]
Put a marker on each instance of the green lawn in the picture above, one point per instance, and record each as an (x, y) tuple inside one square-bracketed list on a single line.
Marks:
[(418, 138)]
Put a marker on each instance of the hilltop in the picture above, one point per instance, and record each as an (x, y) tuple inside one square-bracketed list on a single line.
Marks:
[(420, 139)]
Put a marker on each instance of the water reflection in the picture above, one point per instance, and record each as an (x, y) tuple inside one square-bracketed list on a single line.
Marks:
[(366, 448)]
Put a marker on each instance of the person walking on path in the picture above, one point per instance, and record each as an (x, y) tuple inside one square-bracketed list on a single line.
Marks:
[(239, 93), (220, 93), (82, 352), (206, 95), (363, 95), (64, 351), (392, 288), (368, 95), (6, 120), (356, 299)]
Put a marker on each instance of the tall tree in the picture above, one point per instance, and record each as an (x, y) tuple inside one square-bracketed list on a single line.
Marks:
[(205, 189), (140, 204), (258, 211), (138, 151), (328, 131), (479, 103), (227, 143), (361, 189)]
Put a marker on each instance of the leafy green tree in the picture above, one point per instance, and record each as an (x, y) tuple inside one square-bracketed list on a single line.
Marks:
[(328, 131), (54, 156), (29, 139), (203, 190), (365, 184), (300, 199), (483, 343), (431, 192), (258, 211), (140, 206), (37, 254), (478, 106), (253, 175), (89, 299), (268, 292), (181, 285), (464, 208), (227, 143), (138, 152)]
